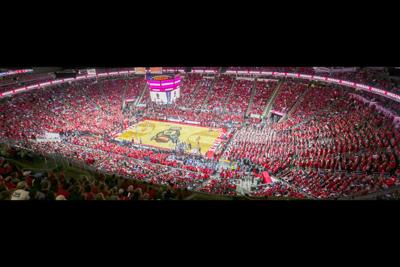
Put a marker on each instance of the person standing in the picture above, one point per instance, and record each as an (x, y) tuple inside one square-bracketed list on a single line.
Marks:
[(20, 193)]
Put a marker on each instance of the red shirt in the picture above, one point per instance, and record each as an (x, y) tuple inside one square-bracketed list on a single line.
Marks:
[(8, 169), (10, 186), (95, 190), (88, 196), (152, 193), (29, 180), (61, 191)]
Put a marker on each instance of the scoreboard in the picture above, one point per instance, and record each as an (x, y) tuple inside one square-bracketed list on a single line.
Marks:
[(164, 89)]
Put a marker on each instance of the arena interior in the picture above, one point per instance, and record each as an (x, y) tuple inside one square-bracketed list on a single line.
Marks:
[(193, 133)]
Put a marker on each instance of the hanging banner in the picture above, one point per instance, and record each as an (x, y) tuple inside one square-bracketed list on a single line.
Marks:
[(156, 70), (140, 70), (91, 72)]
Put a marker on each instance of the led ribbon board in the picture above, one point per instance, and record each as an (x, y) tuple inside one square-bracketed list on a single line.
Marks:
[(363, 87), (11, 72)]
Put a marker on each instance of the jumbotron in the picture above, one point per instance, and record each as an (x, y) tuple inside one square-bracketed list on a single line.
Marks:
[(200, 133)]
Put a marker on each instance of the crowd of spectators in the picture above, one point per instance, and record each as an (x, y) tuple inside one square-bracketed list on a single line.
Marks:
[(264, 91), (218, 97), (17, 183), (239, 98), (289, 92), (331, 146), (346, 138), (9, 83)]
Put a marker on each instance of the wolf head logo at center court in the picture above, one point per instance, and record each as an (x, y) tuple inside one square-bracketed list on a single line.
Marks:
[(168, 135), (171, 134)]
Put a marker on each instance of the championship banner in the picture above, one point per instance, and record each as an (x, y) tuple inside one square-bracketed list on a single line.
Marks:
[(156, 70), (140, 70), (91, 71)]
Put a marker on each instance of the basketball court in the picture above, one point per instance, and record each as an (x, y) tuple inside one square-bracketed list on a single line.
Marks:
[(165, 134)]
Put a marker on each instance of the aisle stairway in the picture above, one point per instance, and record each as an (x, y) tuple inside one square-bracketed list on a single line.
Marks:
[(252, 94), (267, 111), (89, 99), (195, 92), (209, 92), (103, 94), (145, 89), (229, 95), (299, 100)]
